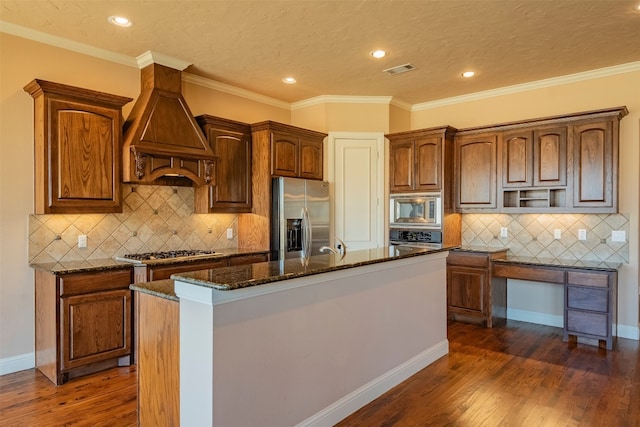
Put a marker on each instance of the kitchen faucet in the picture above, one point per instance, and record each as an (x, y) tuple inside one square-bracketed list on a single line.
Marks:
[(340, 248)]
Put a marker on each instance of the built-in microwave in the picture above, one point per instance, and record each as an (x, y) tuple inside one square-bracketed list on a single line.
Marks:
[(415, 210)]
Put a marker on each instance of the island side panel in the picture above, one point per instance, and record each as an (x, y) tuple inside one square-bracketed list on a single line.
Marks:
[(158, 339), (322, 350)]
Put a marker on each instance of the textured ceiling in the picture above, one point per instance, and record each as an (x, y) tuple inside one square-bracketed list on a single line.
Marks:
[(325, 44)]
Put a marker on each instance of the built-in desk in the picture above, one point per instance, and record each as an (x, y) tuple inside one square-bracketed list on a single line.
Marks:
[(590, 291)]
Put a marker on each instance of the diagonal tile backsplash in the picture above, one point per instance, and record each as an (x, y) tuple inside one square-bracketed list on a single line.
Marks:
[(532, 235), (154, 218)]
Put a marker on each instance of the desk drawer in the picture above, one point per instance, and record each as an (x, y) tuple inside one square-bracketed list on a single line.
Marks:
[(529, 272), (587, 323), (600, 280), (468, 259), (588, 298)]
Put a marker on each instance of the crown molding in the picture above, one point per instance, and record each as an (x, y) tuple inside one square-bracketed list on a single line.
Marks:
[(39, 36), (150, 57), (340, 99), (539, 84), (233, 90)]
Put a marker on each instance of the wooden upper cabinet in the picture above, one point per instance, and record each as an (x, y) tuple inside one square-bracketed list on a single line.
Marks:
[(517, 159), (401, 166), (294, 152), (417, 160), (231, 142), (78, 140), (595, 171), (476, 171), (550, 157), (534, 157)]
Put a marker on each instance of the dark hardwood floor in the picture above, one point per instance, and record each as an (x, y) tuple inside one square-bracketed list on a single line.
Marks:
[(518, 374)]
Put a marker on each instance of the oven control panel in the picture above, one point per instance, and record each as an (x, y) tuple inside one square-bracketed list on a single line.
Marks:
[(415, 236)]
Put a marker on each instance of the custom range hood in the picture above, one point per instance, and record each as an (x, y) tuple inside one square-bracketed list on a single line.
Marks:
[(163, 144)]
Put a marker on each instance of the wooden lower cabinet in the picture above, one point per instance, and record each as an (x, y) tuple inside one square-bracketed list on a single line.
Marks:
[(590, 305), (473, 295), (161, 272), (83, 322)]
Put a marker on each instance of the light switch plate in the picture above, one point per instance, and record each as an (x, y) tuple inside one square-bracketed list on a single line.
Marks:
[(229, 233), (557, 233), (82, 241), (618, 236), (582, 234)]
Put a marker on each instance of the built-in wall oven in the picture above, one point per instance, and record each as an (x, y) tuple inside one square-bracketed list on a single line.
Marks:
[(415, 219)]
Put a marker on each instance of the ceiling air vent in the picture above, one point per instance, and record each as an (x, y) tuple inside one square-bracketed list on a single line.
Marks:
[(399, 69)]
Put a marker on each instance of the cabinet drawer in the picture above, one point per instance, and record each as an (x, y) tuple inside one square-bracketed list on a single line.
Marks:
[(600, 280), (467, 259), (82, 283), (587, 298), (587, 323)]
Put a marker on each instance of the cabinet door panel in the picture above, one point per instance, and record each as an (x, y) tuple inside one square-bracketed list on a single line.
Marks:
[(311, 159), (517, 159), (466, 288), (476, 167), (593, 165), (95, 327), (550, 154), (401, 166), (284, 155), (428, 164), (233, 187)]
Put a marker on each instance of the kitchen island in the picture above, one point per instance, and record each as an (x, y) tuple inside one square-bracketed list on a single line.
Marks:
[(304, 341)]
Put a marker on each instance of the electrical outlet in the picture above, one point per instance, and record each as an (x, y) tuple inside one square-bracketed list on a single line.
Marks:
[(582, 234), (229, 233), (82, 241), (618, 236), (504, 232), (557, 233)]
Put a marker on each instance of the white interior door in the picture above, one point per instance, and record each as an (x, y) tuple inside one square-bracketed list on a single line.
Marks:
[(358, 173)]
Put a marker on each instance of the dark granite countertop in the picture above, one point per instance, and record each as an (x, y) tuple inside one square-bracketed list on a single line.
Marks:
[(160, 288), (68, 267), (229, 278), (557, 262), (481, 249)]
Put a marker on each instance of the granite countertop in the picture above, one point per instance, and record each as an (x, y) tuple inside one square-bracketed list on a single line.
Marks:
[(160, 288), (558, 262), (229, 278), (481, 249), (67, 267)]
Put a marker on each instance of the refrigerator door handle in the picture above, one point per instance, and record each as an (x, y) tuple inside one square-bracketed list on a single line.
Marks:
[(306, 233)]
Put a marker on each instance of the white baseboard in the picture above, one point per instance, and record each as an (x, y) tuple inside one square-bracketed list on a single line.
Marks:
[(624, 331), (17, 363), (375, 388), (536, 317)]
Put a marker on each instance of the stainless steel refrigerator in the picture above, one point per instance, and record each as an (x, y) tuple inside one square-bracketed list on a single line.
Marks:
[(300, 217)]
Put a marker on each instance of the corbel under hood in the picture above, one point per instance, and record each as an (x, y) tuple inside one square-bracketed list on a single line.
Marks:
[(163, 144)]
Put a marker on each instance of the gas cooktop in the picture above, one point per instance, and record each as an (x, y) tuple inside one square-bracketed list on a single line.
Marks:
[(148, 256)]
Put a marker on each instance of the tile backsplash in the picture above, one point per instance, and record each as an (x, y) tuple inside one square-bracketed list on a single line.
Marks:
[(533, 235), (154, 218)]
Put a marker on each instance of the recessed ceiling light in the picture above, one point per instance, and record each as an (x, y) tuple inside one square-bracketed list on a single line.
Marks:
[(120, 21), (289, 80), (468, 74), (637, 8), (378, 54)]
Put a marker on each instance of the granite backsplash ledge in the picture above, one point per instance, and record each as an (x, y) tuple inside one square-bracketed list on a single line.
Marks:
[(154, 218), (532, 235)]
